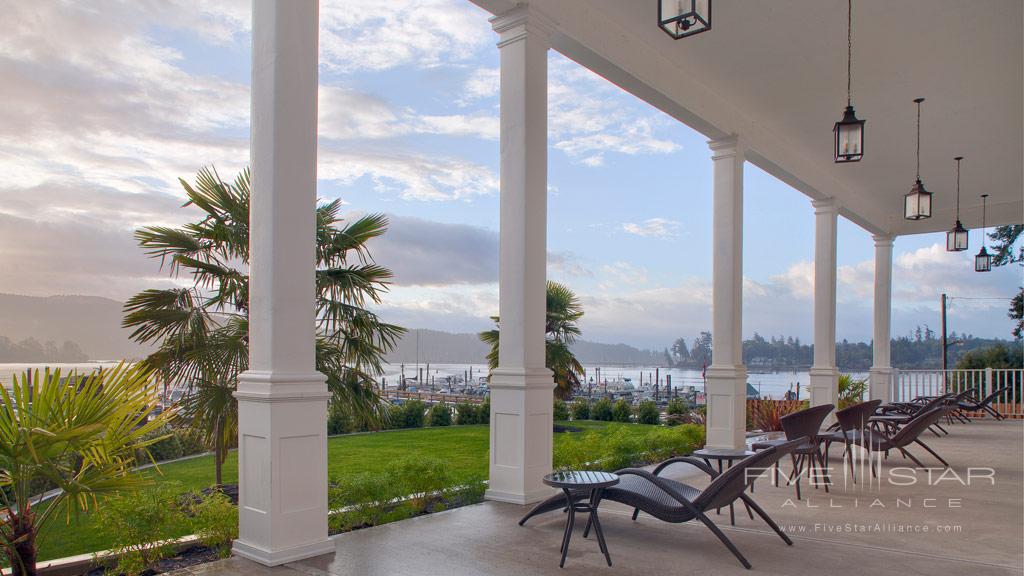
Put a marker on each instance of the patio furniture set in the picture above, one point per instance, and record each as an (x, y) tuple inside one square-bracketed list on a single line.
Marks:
[(870, 425)]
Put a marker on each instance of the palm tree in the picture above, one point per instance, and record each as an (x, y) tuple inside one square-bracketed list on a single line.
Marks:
[(78, 434), (202, 330), (563, 312)]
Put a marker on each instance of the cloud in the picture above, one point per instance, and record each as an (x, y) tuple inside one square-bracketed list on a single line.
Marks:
[(482, 83), (427, 253), (346, 114), (619, 274), (369, 35), (589, 117), (410, 176), (653, 227)]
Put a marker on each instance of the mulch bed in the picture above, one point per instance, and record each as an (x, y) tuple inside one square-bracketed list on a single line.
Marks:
[(190, 556)]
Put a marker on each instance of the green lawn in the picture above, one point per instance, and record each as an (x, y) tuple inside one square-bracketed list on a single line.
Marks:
[(464, 448)]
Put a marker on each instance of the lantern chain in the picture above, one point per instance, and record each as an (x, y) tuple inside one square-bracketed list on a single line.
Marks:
[(849, 50)]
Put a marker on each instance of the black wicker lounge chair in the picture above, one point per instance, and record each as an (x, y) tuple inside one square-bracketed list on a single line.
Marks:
[(892, 416), (672, 501), (852, 423), (985, 404), (803, 424), (910, 433)]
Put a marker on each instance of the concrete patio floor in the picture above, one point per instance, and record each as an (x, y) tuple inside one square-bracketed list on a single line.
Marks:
[(851, 530)]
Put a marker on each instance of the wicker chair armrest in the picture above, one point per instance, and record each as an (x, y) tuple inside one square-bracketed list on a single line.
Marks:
[(700, 464)]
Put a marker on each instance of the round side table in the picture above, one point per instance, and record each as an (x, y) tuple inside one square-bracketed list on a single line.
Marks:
[(580, 481)]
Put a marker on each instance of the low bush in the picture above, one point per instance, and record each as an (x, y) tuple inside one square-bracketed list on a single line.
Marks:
[(408, 487), (647, 413), (338, 419), (215, 522), (621, 446), (467, 413), (359, 500), (622, 412), (560, 410), (581, 410), (677, 406), (410, 414), (440, 415), (485, 411), (602, 410), (138, 523)]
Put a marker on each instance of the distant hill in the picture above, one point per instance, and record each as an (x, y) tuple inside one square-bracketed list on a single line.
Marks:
[(448, 348), (92, 324)]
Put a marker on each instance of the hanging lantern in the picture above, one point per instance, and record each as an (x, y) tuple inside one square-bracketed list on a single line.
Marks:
[(983, 260), (682, 18), (849, 132), (956, 239), (917, 204)]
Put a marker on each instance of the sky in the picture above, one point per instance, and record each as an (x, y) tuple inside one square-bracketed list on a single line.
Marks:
[(107, 104)]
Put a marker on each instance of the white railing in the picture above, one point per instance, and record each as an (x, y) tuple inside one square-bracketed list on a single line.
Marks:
[(909, 384)]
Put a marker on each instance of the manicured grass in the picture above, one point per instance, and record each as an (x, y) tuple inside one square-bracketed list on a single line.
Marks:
[(463, 448)]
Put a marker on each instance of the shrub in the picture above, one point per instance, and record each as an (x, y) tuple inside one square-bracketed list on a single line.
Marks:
[(647, 413), (677, 406), (622, 411), (620, 446), (138, 525), (485, 411), (602, 410), (467, 413), (440, 415), (691, 417), (560, 410), (215, 522), (411, 414), (420, 477), (359, 500), (167, 447), (851, 391), (338, 420), (191, 440), (581, 410), (407, 487)]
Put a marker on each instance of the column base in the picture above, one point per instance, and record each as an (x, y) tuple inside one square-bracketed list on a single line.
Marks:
[(880, 383), (824, 385), (282, 466), (726, 393), (278, 557), (521, 434)]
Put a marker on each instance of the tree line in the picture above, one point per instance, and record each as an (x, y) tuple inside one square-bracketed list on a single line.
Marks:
[(34, 351), (920, 349)]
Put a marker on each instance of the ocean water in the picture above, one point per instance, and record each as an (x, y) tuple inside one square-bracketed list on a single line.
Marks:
[(9, 370), (772, 384)]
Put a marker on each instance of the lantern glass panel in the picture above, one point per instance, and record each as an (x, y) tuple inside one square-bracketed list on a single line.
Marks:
[(682, 18), (849, 133), (983, 262), (956, 239), (918, 203)]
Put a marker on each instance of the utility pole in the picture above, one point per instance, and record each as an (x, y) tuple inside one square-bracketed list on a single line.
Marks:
[(945, 354)]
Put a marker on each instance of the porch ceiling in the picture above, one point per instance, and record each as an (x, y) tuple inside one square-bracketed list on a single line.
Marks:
[(774, 72)]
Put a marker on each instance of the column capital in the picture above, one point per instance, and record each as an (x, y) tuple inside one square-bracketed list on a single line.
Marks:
[(726, 147), (825, 206), (883, 240), (522, 21)]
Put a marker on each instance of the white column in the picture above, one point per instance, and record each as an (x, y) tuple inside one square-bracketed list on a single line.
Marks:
[(521, 386), (881, 368), (282, 399), (823, 373), (727, 376)]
